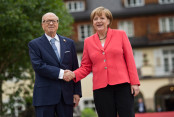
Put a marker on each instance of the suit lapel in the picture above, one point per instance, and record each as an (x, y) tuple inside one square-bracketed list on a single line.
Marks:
[(62, 47), (47, 45)]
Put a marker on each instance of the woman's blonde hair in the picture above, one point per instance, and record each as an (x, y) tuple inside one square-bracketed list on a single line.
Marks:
[(99, 10)]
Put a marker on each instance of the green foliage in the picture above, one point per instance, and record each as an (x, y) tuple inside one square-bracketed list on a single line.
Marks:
[(20, 22), (88, 112)]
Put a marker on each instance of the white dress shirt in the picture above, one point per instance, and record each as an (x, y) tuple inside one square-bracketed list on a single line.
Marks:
[(57, 43)]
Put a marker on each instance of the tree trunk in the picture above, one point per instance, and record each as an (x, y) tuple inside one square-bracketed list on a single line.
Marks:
[(1, 98)]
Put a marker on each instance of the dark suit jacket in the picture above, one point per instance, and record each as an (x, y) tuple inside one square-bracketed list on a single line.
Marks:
[(48, 89)]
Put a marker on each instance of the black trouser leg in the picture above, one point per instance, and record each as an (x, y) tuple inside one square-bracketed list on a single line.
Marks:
[(114, 98), (124, 100), (104, 102)]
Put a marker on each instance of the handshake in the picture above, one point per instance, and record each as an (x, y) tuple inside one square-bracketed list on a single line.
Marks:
[(68, 75)]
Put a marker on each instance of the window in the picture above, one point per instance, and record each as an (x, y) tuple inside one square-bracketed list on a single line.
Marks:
[(75, 6), (166, 24), (89, 103), (166, 1), (168, 61), (79, 57), (84, 31), (164, 61), (127, 26), (133, 3), (138, 57), (86, 102)]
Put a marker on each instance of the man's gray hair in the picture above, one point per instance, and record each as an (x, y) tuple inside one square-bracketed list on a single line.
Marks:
[(49, 13)]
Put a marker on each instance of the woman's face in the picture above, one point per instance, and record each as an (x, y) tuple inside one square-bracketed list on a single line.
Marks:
[(100, 23)]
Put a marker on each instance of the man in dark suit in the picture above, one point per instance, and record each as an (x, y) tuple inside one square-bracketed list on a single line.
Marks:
[(50, 55)]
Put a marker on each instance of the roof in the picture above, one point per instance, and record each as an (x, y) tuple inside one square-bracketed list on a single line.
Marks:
[(118, 10)]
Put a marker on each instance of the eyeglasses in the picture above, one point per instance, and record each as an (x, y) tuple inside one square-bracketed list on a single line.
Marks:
[(49, 21)]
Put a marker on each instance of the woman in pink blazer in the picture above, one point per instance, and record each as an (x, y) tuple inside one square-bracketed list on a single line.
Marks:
[(108, 54)]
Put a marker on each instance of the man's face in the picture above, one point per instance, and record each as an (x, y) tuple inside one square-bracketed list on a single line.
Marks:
[(50, 24)]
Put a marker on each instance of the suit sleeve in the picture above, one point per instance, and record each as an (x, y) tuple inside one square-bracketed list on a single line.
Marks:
[(39, 66), (86, 65), (77, 86), (129, 58)]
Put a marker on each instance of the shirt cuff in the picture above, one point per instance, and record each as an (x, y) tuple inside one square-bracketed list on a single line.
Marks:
[(61, 73)]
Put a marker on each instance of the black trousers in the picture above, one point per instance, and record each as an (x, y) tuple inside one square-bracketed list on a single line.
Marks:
[(113, 100)]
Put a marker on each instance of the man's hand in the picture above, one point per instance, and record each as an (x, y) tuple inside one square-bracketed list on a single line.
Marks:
[(76, 100), (68, 75), (135, 90)]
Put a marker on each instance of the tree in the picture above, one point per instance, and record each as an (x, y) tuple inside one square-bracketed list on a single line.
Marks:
[(88, 112), (20, 22)]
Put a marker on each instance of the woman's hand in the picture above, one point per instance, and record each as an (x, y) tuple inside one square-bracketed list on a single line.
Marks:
[(135, 90)]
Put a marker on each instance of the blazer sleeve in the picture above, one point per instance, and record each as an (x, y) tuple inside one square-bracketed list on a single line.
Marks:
[(77, 86), (129, 58), (86, 65), (39, 66)]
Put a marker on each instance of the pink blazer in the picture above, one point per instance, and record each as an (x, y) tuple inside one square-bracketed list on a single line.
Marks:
[(112, 64)]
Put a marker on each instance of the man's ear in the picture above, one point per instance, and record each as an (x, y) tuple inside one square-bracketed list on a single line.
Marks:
[(42, 26)]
